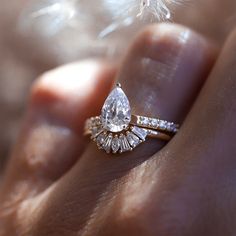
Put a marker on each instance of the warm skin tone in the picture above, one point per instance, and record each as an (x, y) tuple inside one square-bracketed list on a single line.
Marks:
[(30, 55), (59, 184)]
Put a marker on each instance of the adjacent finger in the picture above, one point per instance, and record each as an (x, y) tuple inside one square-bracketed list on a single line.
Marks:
[(198, 178), (212, 119), (52, 136)]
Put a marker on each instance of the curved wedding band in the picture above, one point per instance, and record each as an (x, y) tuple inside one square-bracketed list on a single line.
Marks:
[(117, 131)]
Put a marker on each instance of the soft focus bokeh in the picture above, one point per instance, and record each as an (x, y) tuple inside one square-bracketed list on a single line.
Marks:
[(38, 35)]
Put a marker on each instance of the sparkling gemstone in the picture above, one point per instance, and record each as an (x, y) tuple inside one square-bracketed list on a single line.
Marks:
[(124, 144), (162, 124), (96, 131), (133, 139), (96, 121), (116, 112), (154, 123), (145, 121), (107, 143), (175, 130), (101, 139), (141, 133), (153, 132), (115, 144)]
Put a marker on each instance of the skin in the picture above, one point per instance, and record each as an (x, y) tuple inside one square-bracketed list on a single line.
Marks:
[(31, 55), (58, 183)]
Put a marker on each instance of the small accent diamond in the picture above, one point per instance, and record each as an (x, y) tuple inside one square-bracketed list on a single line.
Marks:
[(101, 139), (143, 120), (141, 133), (153, 132), (154, 123), (133, 139), (107, 143), (146, 121), (96, 131), (124, 144), (115, 144), (162, 124)]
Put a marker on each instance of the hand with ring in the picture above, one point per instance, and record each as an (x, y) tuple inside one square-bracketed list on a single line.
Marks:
[(167, 167)]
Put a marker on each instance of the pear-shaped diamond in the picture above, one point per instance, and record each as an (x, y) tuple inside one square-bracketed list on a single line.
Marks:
[(116, 112)]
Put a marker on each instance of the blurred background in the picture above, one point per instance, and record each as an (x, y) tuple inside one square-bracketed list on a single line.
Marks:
[(36, 36)]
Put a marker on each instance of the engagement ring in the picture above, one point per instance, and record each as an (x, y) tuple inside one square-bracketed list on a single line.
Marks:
[(116, 130)]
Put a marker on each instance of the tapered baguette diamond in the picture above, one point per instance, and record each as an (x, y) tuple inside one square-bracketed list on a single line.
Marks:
[(141, 133), (116, 111), (124, 144), (133, 139), (107, 143), (115, 144), (101, 139)]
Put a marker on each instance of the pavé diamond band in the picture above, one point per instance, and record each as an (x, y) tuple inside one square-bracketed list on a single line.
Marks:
[(117, 131), (154, 123)]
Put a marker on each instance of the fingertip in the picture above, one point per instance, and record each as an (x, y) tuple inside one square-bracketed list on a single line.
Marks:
[(70, 81), (65, 93)]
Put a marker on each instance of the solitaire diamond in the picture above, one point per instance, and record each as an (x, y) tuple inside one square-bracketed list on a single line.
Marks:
[(116, 111)]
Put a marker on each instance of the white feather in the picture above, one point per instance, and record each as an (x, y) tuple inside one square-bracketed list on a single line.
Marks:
[(94, 25)]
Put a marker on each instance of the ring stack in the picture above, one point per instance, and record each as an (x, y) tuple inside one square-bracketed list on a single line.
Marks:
[(116, 130)]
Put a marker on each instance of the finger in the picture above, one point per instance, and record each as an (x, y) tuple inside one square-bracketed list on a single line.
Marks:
[(199, 179), (212, 119), (51, 139), (161, 78)]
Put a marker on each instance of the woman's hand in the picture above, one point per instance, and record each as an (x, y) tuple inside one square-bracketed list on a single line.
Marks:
[(31, 54), (57, 183)]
